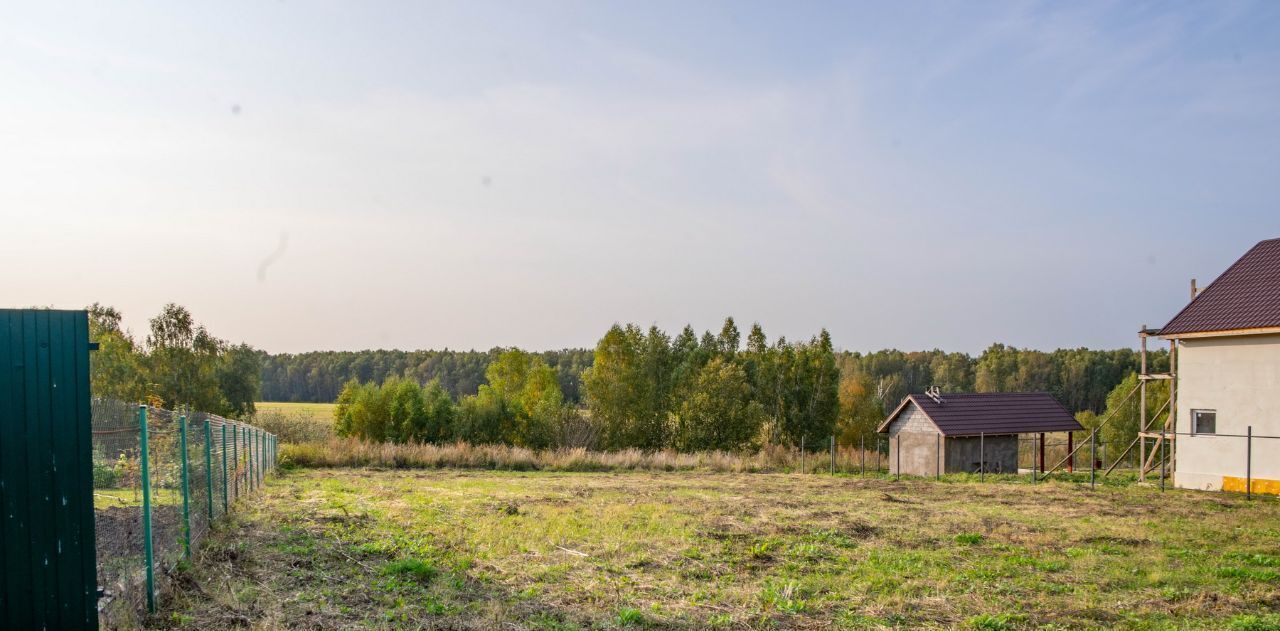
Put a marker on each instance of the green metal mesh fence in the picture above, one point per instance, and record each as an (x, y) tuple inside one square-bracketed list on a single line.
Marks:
[(161, 480)]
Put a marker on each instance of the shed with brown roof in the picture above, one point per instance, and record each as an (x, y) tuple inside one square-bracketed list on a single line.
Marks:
[(936, 433)]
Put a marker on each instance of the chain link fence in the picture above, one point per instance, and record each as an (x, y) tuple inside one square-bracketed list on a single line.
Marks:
[(161, 479)]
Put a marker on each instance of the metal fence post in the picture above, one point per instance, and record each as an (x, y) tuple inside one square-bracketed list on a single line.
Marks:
[(833, 454), (982, 456), (226, 503), (148, 552), (862, 445), (235, 459), (251, 479), (801, 454), (186, 488), (1248, 464), (208, 467)]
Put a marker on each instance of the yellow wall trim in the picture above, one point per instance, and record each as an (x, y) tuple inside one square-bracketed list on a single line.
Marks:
[(1232, 483)]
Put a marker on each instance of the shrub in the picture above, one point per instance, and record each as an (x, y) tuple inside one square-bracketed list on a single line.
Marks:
[(991, 622), (105, 475), (416, 569), (628, 616)]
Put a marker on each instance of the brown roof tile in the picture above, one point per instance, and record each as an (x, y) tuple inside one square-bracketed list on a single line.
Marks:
[(1246, 296), (993, 413)]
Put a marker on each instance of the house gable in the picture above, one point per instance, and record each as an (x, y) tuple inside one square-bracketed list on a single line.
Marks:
[(911, 418)]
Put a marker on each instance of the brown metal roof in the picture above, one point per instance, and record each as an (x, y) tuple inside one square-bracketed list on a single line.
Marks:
[(1246, 296), (992, 413)]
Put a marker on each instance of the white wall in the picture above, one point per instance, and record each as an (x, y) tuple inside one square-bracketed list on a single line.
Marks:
[(1239, 377)]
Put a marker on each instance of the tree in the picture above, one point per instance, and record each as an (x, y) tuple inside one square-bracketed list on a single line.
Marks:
[(181, 365), (115, 369), (861, 410), (1122, 408), (239, 376), (618, 393), (531, 397), (483, 417), (183, 362), (439, 414), (718, 411), (729, 338)]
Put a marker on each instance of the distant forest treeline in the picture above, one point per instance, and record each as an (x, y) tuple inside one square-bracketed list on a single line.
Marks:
[(637, 388), (318, 377), (1080, 378)]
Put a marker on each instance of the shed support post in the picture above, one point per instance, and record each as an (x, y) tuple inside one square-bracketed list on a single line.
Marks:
[(982, 456), (1071, 452), (1040, 458), (937, 456), (1093, 458)]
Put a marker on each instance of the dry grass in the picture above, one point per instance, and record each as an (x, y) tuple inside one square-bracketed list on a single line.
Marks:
[(456, 549), (356, 453)]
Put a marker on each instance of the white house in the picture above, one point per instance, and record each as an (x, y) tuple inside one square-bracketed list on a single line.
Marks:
[(1228, 378)]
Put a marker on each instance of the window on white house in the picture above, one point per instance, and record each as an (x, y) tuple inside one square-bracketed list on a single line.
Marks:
[(1204, 421)]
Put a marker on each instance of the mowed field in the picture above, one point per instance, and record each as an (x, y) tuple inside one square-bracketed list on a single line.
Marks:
[(316, 411), (344, 548)]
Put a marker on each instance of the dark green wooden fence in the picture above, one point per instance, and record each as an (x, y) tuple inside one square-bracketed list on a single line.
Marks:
[(48, 578)]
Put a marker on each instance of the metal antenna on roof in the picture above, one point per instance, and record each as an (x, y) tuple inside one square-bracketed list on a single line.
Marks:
[(935, 393)]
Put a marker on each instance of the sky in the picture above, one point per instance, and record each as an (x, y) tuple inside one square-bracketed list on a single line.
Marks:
[(320, 176)]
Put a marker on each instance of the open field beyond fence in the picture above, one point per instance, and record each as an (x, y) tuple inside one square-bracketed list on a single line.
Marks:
[(321, 412), (296, 422), (363, 548)]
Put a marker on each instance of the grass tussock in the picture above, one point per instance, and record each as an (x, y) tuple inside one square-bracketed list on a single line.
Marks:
[(357, 453)]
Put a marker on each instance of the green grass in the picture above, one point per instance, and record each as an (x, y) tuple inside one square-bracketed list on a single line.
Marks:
[(130, 497), (358, 548)]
